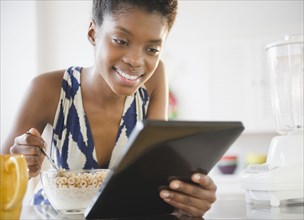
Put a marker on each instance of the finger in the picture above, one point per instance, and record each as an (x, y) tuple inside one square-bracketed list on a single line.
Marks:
[(25, 150), (204, 181), (32, 160), (190, 198), (34, 164), (30, 140), (193, 190), (32, 155), (186, 200), (183, 203), (34, 170), (34, 132)]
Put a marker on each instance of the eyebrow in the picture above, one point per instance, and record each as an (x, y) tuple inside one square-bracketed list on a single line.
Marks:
[(157, 41)]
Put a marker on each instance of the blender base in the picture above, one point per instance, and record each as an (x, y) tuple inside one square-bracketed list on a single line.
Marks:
[(275, 197), (281, 177)]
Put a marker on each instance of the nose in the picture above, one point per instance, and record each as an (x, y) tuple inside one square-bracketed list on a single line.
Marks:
[(134, 58)]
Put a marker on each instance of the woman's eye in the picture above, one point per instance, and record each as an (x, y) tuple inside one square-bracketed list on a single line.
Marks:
[(153, 51), (120, 42)]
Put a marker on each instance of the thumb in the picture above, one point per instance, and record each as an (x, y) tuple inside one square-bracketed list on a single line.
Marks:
[(35, 132)]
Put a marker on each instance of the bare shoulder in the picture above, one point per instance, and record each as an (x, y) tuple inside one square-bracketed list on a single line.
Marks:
[(50, 80), (46, 89), (158, 79), (157, 87)]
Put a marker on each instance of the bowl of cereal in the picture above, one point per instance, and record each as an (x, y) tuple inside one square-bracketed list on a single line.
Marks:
[(71, 191)]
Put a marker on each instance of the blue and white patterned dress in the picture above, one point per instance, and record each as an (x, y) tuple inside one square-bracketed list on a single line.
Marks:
[(72, 142)]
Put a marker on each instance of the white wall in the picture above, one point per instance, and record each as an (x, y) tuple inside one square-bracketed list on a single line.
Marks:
[(62, 34), (36, 37), (18, 56), (216, 59)]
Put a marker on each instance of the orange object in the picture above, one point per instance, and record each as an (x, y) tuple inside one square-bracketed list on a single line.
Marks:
[(14, 178)]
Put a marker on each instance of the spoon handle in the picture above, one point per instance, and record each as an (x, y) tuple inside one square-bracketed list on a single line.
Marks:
[(47, 156), (49, 159)]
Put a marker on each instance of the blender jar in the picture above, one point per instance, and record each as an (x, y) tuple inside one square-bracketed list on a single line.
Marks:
[(285, 62)]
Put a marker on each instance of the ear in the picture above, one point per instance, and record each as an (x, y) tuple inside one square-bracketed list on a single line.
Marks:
[(91, 33)]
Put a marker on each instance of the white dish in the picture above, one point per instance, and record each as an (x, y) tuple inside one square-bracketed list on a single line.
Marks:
[(70, 192)]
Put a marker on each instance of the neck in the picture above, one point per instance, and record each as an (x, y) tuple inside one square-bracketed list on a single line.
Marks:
[(95, 89)]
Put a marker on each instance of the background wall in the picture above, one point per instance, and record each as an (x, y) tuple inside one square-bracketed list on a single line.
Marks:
[(214, 57), (19, 58), (36, 37)]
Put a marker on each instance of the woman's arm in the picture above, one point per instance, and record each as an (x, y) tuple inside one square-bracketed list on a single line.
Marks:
[(36, 111)]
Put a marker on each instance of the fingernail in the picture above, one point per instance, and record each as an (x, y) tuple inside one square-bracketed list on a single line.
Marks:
[(165, 194), (197, 177), (174, 185)]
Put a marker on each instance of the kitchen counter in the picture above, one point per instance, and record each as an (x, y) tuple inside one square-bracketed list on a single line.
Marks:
[(222, 209), (239, 209)]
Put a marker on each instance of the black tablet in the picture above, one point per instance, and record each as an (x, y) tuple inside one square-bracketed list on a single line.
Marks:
[(157, 152)]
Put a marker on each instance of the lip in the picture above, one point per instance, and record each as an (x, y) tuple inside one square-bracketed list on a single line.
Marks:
[(130, 76)]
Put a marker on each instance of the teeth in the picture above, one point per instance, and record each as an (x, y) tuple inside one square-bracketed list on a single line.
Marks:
[(127, 76)]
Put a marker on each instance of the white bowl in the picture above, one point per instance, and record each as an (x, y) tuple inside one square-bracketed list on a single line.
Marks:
[(71, 191)]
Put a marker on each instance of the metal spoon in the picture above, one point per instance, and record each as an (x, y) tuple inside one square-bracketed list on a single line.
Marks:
[(47, 156), (49, 159)]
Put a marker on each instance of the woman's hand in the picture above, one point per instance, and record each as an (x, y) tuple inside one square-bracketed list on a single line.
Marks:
[(29, 145), (191, 199)]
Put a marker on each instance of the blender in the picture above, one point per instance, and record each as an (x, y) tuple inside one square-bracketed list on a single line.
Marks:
[(280, 178)]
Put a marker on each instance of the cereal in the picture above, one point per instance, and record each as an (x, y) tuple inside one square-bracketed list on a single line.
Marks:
[(95, 183), (68, 179), (72, 180), (63, 180)]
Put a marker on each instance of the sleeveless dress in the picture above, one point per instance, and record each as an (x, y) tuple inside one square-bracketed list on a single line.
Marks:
[(72, 144)]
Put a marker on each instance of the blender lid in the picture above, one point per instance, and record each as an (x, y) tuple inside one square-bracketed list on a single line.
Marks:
[(288, 39)]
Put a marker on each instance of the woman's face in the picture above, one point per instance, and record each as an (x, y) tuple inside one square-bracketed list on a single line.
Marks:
[(127, 49)]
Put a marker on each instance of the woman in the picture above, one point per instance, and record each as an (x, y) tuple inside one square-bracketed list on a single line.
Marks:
[(92, 110)]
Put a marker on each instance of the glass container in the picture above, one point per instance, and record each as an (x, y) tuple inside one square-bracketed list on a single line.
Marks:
[(285, 62)]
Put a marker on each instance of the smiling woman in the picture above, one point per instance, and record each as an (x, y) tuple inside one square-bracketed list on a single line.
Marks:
[(91, 111)]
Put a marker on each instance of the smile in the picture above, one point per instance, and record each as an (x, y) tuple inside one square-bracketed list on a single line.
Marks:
[(128, 76)]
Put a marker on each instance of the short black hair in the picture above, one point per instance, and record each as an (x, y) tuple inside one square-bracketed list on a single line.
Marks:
[(166, 8)]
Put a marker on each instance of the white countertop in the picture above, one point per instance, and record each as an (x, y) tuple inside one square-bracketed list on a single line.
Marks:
[(222, 209), (230, 204)]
